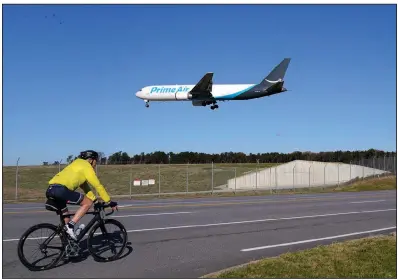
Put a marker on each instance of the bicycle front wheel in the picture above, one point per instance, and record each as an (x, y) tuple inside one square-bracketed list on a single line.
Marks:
[(100, 238), (48, 233)]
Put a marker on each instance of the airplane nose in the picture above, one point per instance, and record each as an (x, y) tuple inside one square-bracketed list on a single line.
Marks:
[(139, 94)]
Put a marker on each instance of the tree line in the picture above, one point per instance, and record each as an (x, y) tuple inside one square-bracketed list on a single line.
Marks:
[(160, 157)]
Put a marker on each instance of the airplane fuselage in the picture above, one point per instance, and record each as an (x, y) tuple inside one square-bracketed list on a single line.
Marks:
[(219, 92)]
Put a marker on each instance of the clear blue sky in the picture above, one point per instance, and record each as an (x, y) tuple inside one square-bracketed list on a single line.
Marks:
[(71, 86)]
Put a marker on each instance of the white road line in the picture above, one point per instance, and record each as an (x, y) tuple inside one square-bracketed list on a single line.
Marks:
[(249, 221), (259, 221), (30, 238), (369, 201), (314, 240), (152, 214), (160, 203)]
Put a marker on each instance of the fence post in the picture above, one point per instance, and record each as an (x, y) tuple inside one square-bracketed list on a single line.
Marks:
[(363, 172), (59, 165), (131, 178), (159, 180), (270, 185), (16, 180), (256, 179), (384, 163), (235, 180), (338, 174), (374, 165), (294, 168), (212, 177), (187, 179), (309, 178), (350, 171), (324, 175)]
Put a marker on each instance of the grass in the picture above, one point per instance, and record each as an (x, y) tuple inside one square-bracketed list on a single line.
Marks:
[(368, 184), (33, 180), (372, 257), (374, 184)]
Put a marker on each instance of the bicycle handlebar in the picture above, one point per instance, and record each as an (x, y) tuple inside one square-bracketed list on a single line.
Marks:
[(102, 206), (110, 213)]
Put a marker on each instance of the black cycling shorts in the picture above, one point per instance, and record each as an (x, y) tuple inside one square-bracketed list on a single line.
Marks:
[(58, 196)]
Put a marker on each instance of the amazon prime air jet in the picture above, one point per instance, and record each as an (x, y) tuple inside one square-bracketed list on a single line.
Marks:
[(205, 93)]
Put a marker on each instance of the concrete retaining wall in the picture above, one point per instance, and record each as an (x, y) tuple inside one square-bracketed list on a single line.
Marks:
[(300, 173)]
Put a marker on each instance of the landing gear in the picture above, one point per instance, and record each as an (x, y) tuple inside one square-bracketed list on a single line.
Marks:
[(209, 102), (214, 106), (147, 103)]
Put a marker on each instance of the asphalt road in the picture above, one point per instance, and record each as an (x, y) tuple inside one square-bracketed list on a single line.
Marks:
[(190, 238)]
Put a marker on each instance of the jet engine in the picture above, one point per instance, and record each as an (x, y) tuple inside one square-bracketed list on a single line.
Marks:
[(183, 96)]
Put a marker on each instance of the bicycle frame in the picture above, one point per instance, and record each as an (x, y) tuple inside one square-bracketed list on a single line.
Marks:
[(98, 217)]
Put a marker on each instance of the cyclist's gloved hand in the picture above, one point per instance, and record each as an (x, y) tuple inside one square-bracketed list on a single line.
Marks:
[(113, 204)]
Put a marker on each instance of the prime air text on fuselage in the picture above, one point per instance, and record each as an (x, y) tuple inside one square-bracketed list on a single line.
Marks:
[(163, 89)]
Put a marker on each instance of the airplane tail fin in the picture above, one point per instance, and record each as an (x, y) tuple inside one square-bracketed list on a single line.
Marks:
[(277, 74)]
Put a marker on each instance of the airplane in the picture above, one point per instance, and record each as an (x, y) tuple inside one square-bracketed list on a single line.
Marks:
[(205, 93)]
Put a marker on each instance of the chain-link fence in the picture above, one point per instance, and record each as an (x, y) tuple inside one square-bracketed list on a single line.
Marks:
[(30, 182)]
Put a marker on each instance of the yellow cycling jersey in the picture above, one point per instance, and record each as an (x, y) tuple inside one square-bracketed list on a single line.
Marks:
[(78, 174)]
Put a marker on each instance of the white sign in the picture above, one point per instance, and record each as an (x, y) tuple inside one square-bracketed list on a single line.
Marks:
[(137, 182), (151, 182), (145, 182)]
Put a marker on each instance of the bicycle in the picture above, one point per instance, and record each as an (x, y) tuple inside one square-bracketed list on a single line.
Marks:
[(70, 247)]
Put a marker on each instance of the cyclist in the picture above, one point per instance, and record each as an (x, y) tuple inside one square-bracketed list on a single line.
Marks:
[(62, 188)]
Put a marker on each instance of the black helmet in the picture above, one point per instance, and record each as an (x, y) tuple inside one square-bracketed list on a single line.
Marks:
[(89, 154)]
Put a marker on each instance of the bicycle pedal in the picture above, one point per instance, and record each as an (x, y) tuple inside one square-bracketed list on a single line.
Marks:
[(73, 255)]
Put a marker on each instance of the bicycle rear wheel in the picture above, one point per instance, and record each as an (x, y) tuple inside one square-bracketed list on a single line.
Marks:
[(43, 246), (96, 241)]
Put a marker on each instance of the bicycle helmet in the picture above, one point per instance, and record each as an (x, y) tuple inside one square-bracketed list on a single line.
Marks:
[(89, 154)]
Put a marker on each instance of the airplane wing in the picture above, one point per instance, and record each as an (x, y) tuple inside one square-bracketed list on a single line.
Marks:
[(204, 87)]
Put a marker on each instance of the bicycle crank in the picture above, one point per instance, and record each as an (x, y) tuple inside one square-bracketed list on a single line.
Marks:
[(72, 249)]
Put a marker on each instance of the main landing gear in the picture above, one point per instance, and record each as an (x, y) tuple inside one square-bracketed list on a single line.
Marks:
[(147, 103), (214, 106)]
